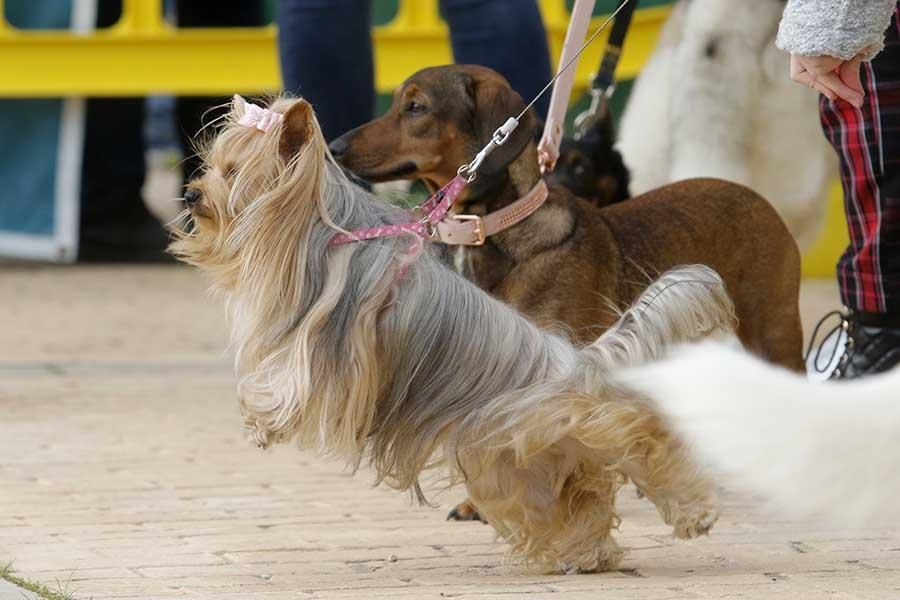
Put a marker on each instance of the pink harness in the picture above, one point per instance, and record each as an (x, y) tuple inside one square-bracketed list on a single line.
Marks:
[(453, 230), (434, 209)]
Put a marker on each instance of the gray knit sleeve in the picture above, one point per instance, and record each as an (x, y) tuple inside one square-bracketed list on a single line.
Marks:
[(841, 28)]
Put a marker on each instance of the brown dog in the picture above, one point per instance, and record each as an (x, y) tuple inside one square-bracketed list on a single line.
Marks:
[(569, 261)]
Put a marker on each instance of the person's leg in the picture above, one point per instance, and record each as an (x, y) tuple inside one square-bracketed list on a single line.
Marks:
[(867, 141), (325, 48), (114, 224), (507, 36), (189, 111)]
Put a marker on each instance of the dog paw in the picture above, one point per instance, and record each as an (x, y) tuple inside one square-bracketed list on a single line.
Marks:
[(606, 558), (697, 524), (464, 511)]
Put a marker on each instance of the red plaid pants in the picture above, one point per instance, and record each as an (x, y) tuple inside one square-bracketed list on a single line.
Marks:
[(867, 141)]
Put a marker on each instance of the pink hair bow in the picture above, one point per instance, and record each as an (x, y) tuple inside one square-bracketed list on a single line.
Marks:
[(259, 117)]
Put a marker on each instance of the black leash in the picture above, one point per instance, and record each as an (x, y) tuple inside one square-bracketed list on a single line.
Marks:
[(605, 79), (603, 83)]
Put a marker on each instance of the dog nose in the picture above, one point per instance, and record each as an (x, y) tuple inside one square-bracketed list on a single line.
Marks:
[(339, 146), (191, 196)]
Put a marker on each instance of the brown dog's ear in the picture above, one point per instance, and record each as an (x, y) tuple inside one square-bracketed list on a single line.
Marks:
[(296, 129), (495, 102)]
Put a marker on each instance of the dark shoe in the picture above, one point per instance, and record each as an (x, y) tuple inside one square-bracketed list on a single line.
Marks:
[(854, 348)]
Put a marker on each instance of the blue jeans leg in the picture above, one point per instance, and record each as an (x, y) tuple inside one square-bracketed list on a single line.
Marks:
[(325, 47), (505, 35)]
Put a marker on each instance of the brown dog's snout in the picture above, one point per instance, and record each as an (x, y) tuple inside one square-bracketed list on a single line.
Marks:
[(340, 146)]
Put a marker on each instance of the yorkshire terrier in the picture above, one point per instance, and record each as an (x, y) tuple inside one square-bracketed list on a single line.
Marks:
[(376, 351)]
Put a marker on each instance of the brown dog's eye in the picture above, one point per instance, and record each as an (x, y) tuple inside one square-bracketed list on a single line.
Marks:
[(415, 108)]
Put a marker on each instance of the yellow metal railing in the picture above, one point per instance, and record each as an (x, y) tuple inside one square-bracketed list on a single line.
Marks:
[(143, 54)]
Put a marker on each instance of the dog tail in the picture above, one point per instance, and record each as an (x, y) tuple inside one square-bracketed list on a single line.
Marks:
[(685, 304), (828, 449)]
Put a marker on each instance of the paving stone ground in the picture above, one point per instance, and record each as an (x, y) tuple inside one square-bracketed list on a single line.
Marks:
[(124, 472)]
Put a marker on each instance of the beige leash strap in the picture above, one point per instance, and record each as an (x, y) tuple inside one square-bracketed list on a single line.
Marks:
[(548, 147)]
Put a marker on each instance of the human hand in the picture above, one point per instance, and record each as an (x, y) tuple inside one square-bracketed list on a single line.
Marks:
[(833, 77)]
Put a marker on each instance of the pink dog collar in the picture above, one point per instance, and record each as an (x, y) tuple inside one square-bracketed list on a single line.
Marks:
[(473, 230)]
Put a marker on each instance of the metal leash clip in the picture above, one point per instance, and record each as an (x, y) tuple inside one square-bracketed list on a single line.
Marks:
[(430, 228), (596, 112), (501, 135)]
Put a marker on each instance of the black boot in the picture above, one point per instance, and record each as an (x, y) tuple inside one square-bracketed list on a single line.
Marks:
[(860, 344)]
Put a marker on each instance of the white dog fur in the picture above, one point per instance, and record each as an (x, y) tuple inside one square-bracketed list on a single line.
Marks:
[(830, 450), (715, 100)]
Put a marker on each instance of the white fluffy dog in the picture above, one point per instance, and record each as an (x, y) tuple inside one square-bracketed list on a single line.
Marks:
[(830, 450), (715, 100)]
